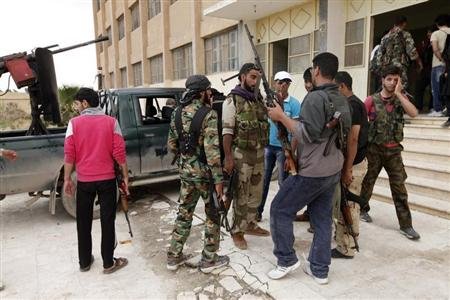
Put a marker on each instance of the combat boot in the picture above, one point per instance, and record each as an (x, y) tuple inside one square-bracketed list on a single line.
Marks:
[(254, 229), (239, 241), (173, 262), (209, 266)]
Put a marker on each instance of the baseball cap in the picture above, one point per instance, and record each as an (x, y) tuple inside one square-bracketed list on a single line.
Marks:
[(282, 75)]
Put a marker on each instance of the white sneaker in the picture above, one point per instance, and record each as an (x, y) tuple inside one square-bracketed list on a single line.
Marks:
[(307, 270), (436, 114), (280, 272)]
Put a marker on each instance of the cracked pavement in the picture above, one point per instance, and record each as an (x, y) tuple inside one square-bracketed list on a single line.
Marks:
[(39, 257)]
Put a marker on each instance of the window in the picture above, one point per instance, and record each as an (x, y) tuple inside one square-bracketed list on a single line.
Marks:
[(354, 43), (111, 80), (97, 4), (137, 74), (299, 54), (221, 52), (135, 22), (316, 49), (121, 26), (173, 1), (156, 69), (154, 8), (182, 62), (108, 33), (261, 49), (123, 77)]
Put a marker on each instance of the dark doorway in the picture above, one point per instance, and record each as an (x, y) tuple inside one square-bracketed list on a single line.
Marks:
[(279, 56), (420, 18)]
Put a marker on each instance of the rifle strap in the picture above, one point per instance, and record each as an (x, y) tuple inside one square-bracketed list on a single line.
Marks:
[(194, 129)]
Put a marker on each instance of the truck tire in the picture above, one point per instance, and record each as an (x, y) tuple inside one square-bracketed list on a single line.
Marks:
[(70, 202)]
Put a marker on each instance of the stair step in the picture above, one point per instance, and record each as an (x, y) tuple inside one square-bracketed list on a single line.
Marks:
[(429, 160), (427, 131), (422, 186), (424, 120), (427, 173), (417, 202), (427, 145)]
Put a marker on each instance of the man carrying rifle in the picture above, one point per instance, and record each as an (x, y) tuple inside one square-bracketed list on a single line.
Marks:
[(194, 138), (347, 231), (245, 134), (319, 168), (274, 153), (93, 142)]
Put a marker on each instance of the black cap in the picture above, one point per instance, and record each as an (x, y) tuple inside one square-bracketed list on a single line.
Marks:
[(197, 83), (247, 67)]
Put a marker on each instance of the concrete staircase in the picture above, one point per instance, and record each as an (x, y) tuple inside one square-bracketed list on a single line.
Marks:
[(426, 157)]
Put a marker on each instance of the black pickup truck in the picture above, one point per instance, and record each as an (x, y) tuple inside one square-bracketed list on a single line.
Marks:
[(144, 119)]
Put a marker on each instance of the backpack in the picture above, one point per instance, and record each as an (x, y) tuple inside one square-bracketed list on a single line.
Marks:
[(188, 141)]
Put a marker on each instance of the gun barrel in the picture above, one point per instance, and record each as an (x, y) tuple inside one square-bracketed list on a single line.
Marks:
[(101, 39)]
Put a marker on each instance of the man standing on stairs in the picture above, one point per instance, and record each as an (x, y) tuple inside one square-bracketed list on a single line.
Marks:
[(385, 111)]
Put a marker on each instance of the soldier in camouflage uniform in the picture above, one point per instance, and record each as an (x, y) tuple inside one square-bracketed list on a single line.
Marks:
[(397, 48), (196, 169), (245, 134), (385, 111)]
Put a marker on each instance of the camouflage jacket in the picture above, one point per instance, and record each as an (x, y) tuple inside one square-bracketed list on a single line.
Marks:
[(396, 48), (190, 167), (247, 121), (387, 126)]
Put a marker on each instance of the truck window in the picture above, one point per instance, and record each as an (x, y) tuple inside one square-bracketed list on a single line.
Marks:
[(155, 110)]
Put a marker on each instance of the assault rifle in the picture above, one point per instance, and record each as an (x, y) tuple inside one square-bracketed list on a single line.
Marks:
[(347, 215), (219, 208), (270, 99), (123, 195)]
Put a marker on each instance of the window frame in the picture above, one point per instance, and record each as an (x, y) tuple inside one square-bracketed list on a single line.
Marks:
[(183, 55), (121, 27), (222, 52), (302, 54), (156, 77), (137, 70), (355, 43), (135, 16), (123, 77), (154, 8)]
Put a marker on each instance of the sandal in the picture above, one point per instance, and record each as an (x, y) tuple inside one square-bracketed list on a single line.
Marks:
[(119, 263), (88, 267)]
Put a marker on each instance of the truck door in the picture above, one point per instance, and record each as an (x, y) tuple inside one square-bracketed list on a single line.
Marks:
[(153, 129)]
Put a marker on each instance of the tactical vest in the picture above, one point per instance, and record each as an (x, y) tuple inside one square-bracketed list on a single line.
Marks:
[(252, 126), (387, 126)]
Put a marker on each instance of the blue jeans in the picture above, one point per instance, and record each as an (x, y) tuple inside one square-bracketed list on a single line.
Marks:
[(436, 72), (272, 155), (295, 193)]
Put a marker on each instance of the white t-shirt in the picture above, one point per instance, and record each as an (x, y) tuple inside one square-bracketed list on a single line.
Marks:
[(440, 36)]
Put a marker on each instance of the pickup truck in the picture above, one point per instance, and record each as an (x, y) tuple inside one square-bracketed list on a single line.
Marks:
[(144, 119)]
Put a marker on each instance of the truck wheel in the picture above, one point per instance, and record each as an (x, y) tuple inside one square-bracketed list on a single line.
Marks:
[(70, 204)]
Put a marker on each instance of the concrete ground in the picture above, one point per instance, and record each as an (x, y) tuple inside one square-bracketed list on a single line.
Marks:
[(39, 257)]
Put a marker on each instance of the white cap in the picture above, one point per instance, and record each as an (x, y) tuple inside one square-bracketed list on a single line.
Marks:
[(282, 75)]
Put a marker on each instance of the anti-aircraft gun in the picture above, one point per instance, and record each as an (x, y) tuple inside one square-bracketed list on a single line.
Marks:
[(36, 71)]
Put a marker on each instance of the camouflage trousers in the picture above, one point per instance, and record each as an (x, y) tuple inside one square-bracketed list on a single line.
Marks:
[(190, 193), (248, 194), (378, 157), (344, 241)]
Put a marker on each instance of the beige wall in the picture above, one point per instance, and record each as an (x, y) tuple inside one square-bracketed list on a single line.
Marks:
[(21, 99), (183, 22)]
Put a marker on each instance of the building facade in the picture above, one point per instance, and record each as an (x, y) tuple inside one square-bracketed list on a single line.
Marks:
[(161, 42)]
